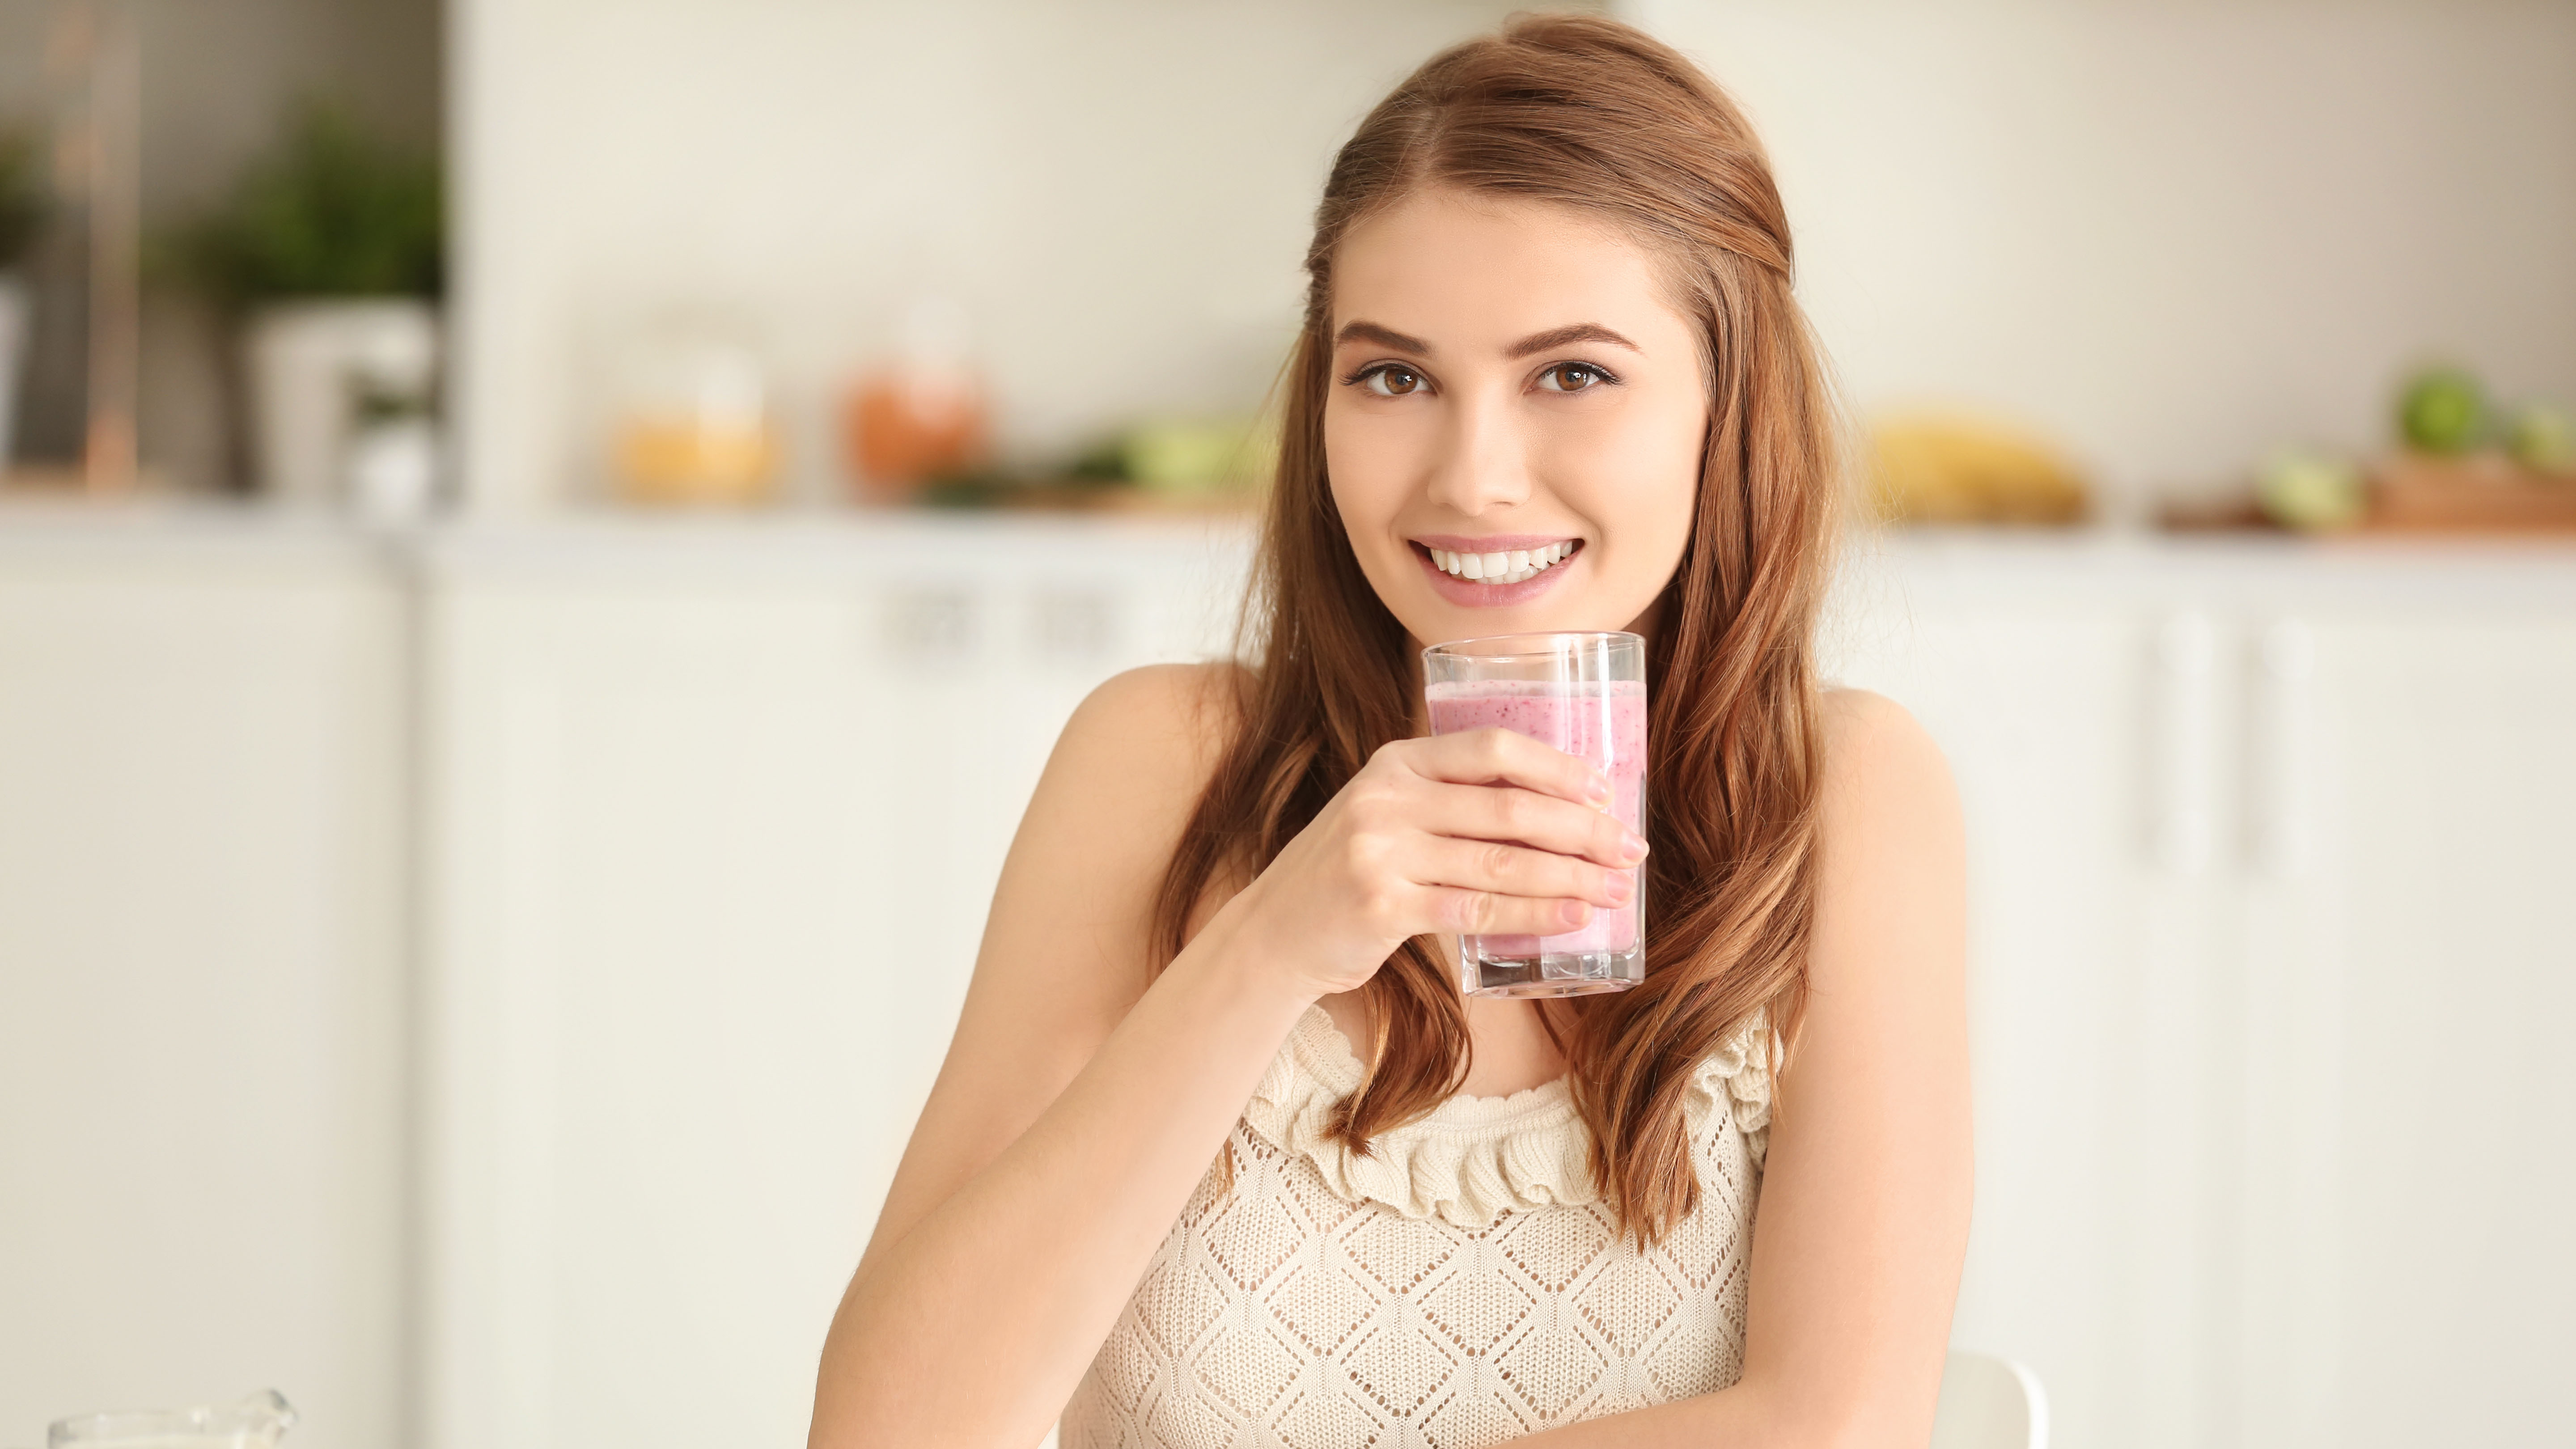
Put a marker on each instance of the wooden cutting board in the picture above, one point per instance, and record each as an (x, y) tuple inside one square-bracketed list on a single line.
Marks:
[(2481, 493)]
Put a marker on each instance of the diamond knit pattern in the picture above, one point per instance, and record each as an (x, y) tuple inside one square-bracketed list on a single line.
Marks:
[(1291, 1311)]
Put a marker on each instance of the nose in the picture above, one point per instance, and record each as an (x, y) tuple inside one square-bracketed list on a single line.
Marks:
[(1483, 462)]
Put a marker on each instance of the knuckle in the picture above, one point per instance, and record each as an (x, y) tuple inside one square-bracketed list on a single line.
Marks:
[(1366, 852), (1497, 861), (1379, 805), (1384, 766), (1475, 911)]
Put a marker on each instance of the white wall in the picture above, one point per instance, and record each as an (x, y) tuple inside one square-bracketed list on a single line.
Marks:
[(1120, 191), (2173, 233)]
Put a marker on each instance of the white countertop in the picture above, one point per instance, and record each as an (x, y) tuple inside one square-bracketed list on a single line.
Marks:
[(786, 545)]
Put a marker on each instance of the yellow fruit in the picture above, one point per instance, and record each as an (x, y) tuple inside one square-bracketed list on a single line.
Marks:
[(1954, 468)]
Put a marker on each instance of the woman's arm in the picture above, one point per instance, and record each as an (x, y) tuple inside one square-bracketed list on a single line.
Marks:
[(1863, 1218), (1001, 1255), (1080, 1106)]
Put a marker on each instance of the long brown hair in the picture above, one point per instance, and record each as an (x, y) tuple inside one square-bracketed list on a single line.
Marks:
[(1596, 116)]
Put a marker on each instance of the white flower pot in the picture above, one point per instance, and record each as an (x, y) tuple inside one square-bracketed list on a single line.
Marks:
[(16, 306), (393, 469), (309, 365)]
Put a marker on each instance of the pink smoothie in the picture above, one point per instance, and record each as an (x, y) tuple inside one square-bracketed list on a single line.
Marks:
[(1604, 723)]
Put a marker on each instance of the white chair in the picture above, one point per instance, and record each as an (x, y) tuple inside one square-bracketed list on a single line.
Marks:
[(1989, 1403)]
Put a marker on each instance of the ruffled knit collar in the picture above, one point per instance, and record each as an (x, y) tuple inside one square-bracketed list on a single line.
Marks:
[(1472, 1159)]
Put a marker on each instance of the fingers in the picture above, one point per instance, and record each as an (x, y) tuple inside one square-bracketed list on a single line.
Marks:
[(1504, 870), (1488, 832), (1509, 813), (1482, 913), (1486, 756)]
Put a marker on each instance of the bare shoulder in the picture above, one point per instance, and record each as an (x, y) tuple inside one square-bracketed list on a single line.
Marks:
[(1133, 761), (1878, 758), (1099, 832), (1168, 722), (1891, 883)]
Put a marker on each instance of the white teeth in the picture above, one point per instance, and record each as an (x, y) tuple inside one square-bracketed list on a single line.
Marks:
[(1502, 567)]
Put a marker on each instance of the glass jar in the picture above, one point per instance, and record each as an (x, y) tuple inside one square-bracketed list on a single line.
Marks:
[(693, 420)]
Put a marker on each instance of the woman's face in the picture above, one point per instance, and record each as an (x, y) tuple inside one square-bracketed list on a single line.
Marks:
[(1515, 420)]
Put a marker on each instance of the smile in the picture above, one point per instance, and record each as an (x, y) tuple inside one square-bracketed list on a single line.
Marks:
[(1502, 566)]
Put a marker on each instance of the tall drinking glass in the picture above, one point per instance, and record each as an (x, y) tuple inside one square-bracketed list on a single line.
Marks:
[(1586, 695)]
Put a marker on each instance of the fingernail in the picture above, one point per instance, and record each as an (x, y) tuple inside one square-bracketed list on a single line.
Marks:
[(1574, 913), (1632, 846), (1598, 788), (1619, 889)]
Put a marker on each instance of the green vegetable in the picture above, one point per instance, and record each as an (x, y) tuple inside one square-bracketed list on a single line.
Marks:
[(2544, 438), (1101, 463), (2310, 491), (333, 212), (22, 193), (1182, 455), (2444, 410)]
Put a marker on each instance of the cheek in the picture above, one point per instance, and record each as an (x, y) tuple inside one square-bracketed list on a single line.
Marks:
[(1364, 461), (1636, 472)]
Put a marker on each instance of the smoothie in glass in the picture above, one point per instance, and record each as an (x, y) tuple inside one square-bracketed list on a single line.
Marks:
[(1599, 720)]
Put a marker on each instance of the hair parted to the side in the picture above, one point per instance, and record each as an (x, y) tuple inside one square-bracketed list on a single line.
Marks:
[(1596, 116)]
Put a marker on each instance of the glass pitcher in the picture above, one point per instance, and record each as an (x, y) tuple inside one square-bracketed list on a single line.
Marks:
[(252, 1423)]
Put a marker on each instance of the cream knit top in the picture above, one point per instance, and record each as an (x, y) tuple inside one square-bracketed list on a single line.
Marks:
[(1460, 1286)]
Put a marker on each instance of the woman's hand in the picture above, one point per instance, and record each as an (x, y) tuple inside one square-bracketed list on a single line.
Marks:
[(1482, 832)]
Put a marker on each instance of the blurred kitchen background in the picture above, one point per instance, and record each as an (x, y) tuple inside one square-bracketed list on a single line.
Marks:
[(546, 542)]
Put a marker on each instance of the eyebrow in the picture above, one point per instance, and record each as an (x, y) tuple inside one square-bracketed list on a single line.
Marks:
[(1382, 336), (1562, 336), (1534, 343)]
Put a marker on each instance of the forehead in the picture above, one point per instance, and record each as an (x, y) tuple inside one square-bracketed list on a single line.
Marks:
[(1456, 269)]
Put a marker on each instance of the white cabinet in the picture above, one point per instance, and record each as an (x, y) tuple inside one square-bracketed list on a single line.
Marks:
[(2271, 953), (716, 823), (689, 829), (202, 1107), (2412, 950)]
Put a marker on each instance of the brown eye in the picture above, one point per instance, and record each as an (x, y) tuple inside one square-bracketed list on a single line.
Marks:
[(1571, 377), (1392, 379)]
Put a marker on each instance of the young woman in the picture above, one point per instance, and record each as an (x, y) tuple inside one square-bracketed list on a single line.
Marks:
[(1549, 313)]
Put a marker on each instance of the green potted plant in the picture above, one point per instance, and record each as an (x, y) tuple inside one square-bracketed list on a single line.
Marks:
[(22, 211), (329, 252)]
